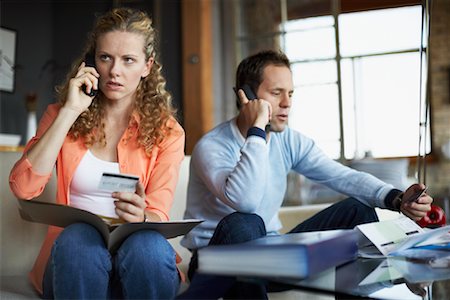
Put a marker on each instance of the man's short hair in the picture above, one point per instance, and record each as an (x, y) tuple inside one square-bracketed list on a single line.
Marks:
[(250, 70)]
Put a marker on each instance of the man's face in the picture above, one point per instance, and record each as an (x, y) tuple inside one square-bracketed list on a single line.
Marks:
[(277, 88)]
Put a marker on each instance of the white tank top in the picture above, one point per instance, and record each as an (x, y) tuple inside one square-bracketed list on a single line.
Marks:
[(84, 192)]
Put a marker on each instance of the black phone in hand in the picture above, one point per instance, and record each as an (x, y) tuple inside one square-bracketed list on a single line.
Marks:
[(249, 92), (251, 95), (416, 196), (89, 60)]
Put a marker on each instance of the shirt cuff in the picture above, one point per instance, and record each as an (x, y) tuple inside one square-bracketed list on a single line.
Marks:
[(256, 131), (391, 200)]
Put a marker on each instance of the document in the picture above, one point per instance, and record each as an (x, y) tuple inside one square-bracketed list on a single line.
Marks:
[(113, 233), (393, 236), (420, 272), (385, 272)]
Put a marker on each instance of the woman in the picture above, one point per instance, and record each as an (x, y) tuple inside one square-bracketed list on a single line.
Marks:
[(128, 127)]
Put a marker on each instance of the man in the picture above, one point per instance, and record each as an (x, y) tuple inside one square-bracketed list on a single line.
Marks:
[(239, 172)]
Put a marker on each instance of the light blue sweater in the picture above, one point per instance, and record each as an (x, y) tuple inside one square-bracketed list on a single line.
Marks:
[(231, 173)]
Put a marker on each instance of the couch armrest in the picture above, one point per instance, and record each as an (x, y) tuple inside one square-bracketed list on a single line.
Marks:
[(291, 216)]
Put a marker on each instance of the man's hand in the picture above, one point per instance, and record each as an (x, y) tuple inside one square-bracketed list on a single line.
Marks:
[(416, 210), (254, 112)]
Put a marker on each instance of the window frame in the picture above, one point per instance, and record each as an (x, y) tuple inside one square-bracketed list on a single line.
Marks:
[(335, 9)]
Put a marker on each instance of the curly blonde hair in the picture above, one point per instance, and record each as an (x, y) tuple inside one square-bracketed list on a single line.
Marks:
[(153, 103)]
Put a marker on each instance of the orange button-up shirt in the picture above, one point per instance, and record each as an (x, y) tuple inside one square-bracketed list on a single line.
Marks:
[(157, 172)]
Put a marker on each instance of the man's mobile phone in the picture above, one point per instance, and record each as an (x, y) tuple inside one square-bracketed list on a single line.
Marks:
[(250, 96), (415, 197), (89, 60), (247, 91)]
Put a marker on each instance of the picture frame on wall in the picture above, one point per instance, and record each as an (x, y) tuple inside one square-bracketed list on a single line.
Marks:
[(7, 59)]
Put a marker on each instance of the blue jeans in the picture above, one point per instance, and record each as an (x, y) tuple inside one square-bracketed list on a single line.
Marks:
[(234, 228), (241, 227), (345, 214), (81, 267)]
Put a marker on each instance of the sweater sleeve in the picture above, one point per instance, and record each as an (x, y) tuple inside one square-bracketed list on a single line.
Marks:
[(229, 170), (164, 176), (24, 182), (317, 166)]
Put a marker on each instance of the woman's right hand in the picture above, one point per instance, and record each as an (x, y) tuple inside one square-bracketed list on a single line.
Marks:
[(44, 152), (76, 98)]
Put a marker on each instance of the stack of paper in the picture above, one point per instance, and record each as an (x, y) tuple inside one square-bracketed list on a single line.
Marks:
[(394, 237)]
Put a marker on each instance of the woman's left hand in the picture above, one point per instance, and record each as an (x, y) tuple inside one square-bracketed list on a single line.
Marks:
[(130, 206)]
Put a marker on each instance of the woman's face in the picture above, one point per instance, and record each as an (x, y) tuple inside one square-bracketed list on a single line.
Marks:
[(120, 61)]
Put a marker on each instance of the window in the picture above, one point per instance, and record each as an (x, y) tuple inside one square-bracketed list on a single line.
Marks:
[(369, 75)]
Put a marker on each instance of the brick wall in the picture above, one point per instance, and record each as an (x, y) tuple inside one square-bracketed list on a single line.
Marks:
[(438, 171)]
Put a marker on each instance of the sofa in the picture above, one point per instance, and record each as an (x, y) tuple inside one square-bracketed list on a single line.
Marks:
[(21, 240)]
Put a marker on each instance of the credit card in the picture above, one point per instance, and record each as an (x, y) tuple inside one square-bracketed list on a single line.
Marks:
[(118, 182)]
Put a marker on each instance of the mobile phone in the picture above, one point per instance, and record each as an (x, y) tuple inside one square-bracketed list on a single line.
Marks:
[(250, 96), (416, 195), (247, 91), (89, 60)]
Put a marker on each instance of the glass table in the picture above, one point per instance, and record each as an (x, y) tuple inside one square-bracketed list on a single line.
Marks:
[(380, 278)]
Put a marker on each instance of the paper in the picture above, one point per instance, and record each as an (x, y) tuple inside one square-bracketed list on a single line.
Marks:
[(417, 272), (63, 215), (383, 273), (393, 236), (387, 235)]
